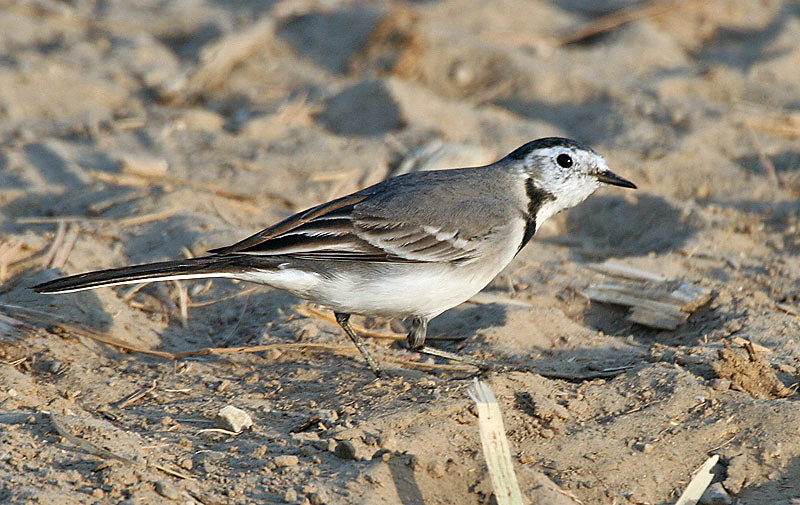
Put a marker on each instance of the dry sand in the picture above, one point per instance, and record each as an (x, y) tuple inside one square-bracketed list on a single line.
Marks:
[(155, 129)]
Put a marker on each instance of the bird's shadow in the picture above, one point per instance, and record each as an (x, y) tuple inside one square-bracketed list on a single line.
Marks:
[(464, 322), (615, 226)]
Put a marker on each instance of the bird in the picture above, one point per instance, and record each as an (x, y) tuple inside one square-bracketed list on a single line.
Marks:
[(411, 246)]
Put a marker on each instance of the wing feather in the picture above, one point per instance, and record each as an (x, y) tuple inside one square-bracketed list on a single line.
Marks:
[(376, 225)]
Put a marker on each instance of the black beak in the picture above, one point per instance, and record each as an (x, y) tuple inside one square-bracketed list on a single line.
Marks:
[(610, 177)]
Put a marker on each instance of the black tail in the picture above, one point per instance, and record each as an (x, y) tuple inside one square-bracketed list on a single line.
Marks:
[(193, 268)]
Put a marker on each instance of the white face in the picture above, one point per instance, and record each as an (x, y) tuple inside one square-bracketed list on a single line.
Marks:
[(568, 173)]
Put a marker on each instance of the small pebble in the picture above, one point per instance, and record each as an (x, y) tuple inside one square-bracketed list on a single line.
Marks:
[(715, 495), (720, 384), (286, 460), (233, 419), (166, 489), (186, 462), (327, 415), (437, 468), (318, 498), (290, 496), (345, 450), (389, 442)]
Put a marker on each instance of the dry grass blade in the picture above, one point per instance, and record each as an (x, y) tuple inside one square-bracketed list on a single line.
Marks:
[(699, 483), (169, 471), (308, 311), (127, 221), (346, 350), (147, 218), (183, 302), (101, 206), (785, 124), (218, 430), (85, 444), (312, 312), (616, 269), (135, 397), (219, 58), (623, 16), (63, 252), (206, 187), (108, 339), (8, 253), (763, 160), (13, 329), (47, 262), (427, 366), (495, 446), (747, 344), (483, 298), (245, 292), (104, 453)]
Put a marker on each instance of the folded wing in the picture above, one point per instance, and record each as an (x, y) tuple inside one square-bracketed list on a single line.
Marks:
[(344, 229)]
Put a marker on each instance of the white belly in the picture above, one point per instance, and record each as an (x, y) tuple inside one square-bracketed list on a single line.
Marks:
[(391, 289)]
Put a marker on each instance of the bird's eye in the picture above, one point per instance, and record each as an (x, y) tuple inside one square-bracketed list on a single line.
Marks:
[(564, 160)]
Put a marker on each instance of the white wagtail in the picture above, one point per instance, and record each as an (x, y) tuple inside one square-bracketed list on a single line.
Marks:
[(411, 246)]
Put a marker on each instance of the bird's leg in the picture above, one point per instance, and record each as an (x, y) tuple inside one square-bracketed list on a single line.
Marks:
[(344, 322), (416, 341)]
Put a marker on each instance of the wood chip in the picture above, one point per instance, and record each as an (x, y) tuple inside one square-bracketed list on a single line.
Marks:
[(663, 306)]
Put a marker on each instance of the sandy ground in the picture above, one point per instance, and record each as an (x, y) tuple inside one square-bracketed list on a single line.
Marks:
[(140, 131)]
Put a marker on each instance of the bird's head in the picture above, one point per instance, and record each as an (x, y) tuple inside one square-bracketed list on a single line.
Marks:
[(561, 173)]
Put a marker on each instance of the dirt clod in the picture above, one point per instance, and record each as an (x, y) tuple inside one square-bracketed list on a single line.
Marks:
[(750, 372)]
